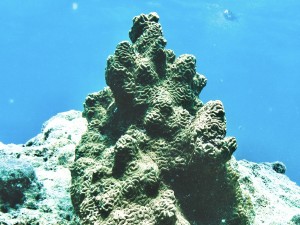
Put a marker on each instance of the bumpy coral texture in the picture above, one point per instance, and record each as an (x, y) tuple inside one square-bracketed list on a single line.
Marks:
[(153, 152)]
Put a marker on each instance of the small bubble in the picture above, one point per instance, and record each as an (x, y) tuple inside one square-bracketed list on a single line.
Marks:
[(74, 6)]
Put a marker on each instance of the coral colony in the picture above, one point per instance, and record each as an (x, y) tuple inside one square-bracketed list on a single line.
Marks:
[(153, 152)]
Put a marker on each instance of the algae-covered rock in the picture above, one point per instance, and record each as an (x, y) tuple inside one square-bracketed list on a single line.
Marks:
[(153, 152), (17, 183)]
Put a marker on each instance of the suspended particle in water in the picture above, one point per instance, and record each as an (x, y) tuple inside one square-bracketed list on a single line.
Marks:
[(228, 15), (74, 6)]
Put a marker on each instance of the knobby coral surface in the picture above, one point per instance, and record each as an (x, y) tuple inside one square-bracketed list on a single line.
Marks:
[(153, 152)]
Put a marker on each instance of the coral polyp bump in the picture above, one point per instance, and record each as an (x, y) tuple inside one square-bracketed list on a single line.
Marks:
[(154, 153)]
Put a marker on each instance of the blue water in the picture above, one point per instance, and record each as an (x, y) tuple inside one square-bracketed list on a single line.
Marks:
[(53, 53)]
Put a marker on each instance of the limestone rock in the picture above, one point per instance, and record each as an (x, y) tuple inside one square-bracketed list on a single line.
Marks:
[(36, 187), (275, 198), (17, 183)]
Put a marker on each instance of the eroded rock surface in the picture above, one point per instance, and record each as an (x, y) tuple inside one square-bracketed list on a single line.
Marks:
[(35, 178), (275, 198)]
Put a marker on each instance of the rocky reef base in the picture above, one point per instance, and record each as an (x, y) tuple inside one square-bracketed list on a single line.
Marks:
[(35, 178), (275, 198), (44, 180)]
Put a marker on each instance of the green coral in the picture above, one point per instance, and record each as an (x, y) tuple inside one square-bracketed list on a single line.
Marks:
[(153, 152)]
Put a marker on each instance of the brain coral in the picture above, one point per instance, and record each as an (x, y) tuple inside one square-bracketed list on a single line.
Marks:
[(153, 152)]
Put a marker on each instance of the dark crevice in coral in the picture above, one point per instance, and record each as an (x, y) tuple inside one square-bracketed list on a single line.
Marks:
[(210, 197)]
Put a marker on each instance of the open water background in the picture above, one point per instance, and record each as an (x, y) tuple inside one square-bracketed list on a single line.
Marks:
[(53, 53)]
